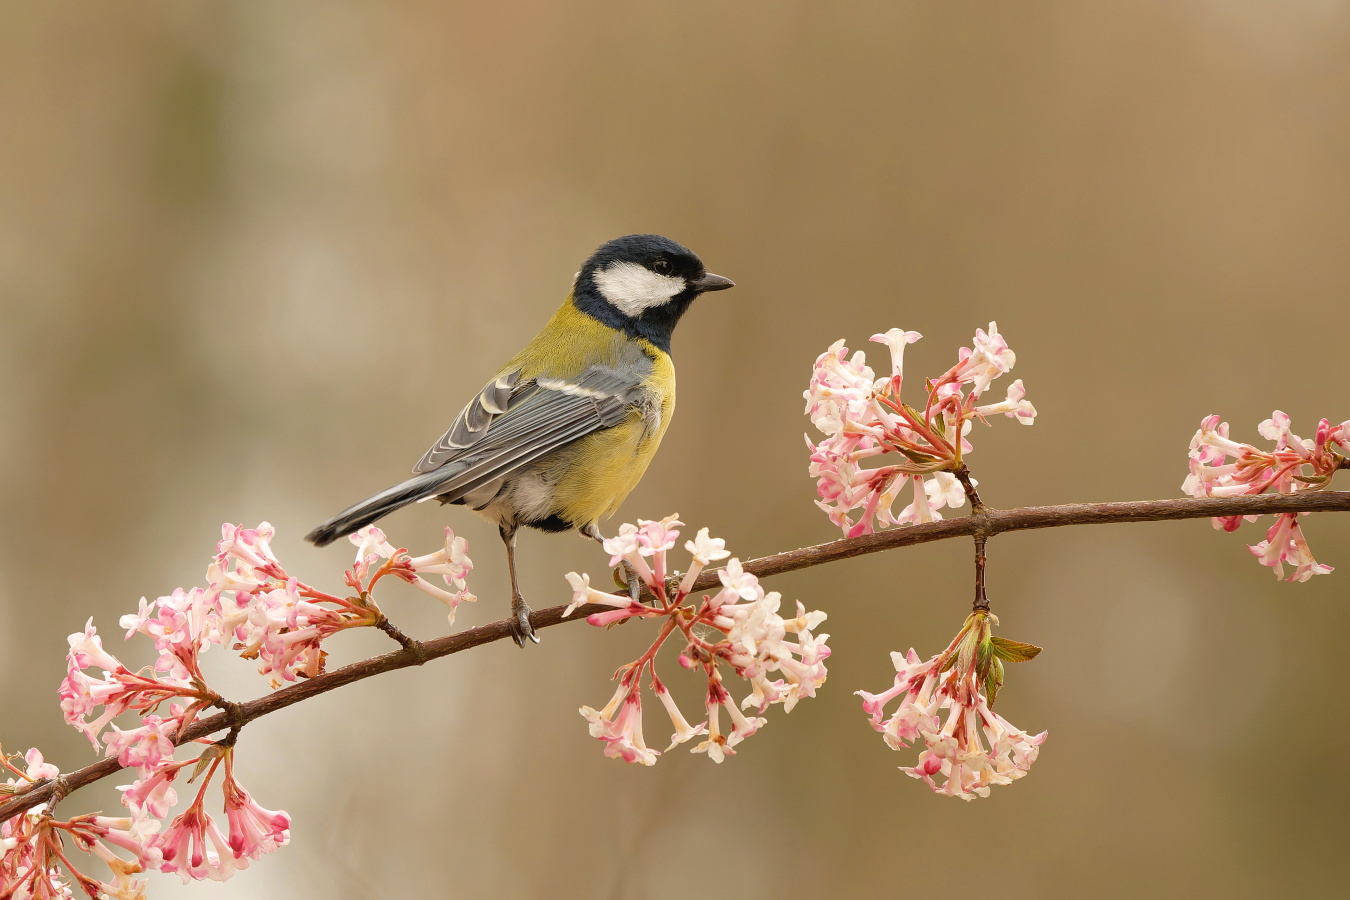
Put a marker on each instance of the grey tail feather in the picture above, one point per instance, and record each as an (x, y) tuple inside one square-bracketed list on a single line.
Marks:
[(383, 503)]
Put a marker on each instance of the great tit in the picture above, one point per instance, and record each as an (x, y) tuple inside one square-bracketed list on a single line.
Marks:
[(564, 431)]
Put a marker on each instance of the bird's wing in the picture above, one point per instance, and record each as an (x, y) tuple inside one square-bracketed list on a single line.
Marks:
[(473, 422), (535, 418)]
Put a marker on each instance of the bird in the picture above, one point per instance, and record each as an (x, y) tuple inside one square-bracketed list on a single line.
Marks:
[(561, 434)]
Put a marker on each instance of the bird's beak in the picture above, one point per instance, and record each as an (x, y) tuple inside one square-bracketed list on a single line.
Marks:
[(711, 282)]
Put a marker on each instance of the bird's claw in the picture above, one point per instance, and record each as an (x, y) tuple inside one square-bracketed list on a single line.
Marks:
[(520, 622), (625, 576)]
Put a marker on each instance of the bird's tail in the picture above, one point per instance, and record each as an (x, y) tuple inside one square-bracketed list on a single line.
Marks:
[(428, 484)]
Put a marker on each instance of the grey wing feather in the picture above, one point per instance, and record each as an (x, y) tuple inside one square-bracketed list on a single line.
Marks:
[(472, 423)]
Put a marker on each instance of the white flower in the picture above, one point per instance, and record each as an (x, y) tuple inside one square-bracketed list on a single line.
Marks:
[(945, 489), (683, 730), (738, 582), (371, 545), (990, 358), (622, 734), (86, 649), (1285, 543), (704, 550), (840, 389), (897, 339), (1015, 406)]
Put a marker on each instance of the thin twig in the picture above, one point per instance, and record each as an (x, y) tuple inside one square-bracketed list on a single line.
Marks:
[(396, 633), (963, 475), (981, 598), (989, 522)]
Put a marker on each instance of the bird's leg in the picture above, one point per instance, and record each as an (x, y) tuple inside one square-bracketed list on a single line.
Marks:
[(520, 627), (629, 574)]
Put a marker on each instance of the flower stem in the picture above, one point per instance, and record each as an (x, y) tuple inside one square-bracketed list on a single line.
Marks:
[(963, 476), (981, 598)]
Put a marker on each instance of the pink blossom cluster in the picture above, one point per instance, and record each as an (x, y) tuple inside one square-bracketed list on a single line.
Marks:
[(974, 748), (253, 605), (33, 851), (193, 844), (249, 600), (864, 419), (451, 562), (28, 864), (739, 627), (1294, 465)]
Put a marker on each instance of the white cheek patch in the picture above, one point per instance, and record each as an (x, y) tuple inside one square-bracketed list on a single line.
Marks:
[(633, 288)]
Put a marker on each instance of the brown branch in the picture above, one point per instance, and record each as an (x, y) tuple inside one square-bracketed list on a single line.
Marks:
[(963, 475), (996, 521), (241, 714), (394, 632), (989, 522), (981, 598)]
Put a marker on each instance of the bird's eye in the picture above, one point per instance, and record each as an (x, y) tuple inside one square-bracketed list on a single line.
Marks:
[(661, 266)]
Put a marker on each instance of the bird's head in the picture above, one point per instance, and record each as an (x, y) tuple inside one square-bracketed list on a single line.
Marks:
[(642, 284)]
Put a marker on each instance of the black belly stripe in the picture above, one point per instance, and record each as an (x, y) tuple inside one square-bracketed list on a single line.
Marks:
[(552, 524)]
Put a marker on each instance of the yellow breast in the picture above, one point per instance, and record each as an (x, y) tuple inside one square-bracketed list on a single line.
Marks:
[(596, 473)]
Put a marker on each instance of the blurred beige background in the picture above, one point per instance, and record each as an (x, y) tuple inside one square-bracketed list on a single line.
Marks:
[(254, 256)]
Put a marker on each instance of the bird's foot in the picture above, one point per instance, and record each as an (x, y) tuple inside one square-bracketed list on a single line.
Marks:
[(625, 576), (520, 622)]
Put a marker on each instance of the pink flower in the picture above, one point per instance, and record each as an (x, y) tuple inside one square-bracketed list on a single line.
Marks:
[(716, 745), (371, 543), (283, 630), (194, 848), (145, 747), (185, 625), (739, 627), (622, 733), (704, 550), (841, 389), (1295, 465), (944, 489), (138, 621), (152, 794), (118, 692), (1285, 543), (719, 746), (86, 649), (1014, 406), (683, 730), (989, 359), (583, 593), (124, 886), (737, 581), (452, 563), (133, 833), (253, 830), (657, 537), (38, 768), (250, 550), (622, 545), (875, 445), (975, 748), (896, 340)]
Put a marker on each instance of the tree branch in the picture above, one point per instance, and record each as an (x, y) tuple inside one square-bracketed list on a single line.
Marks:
[(996, 521), (985, 523)]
